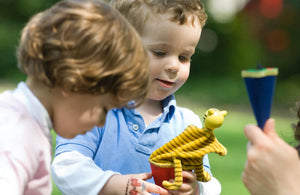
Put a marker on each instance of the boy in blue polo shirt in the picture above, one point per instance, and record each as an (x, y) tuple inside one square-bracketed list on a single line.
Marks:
[(104, 160)]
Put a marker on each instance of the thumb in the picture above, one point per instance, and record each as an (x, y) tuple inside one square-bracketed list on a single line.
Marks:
[(269, 128), (144, 176)]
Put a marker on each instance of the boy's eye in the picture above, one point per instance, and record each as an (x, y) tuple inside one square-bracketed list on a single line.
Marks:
[(159, 53), (184, 59)]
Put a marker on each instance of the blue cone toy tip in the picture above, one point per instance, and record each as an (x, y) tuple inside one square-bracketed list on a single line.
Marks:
[(260, 84)]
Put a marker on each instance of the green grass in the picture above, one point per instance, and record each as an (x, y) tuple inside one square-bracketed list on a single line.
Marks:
[(55, 190), (226, 169)]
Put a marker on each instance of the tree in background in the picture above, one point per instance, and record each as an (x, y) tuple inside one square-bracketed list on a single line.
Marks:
[(264, 31), (275, 24), (13, 16), (256, 31)]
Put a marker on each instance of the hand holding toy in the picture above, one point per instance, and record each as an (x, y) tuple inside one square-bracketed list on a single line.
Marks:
[(186, 152)]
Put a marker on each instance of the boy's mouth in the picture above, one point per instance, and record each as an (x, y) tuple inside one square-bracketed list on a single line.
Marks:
[(166, 84)]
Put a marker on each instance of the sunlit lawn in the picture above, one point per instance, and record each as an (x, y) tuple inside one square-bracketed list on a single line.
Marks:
[(226, 169)]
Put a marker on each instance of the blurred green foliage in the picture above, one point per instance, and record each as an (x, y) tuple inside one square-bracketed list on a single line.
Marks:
[(14, 15), (223, 51)]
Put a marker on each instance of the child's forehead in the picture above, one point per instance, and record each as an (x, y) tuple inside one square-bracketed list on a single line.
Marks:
[(165, 31)]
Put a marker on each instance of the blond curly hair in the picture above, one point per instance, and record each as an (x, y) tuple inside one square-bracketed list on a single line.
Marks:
[(85, 47), (139, 11)]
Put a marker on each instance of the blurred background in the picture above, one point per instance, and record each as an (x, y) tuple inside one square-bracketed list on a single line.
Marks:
[(239, 34)]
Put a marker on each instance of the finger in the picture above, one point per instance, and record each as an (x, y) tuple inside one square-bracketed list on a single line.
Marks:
[(249, 145), (189, 183), (155, 189), (185, 188), (254, 134), (143, 176), (188, 176), (138, 186), (269, 128)]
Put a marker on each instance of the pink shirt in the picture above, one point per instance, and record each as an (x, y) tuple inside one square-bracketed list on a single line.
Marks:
[(25, 144)]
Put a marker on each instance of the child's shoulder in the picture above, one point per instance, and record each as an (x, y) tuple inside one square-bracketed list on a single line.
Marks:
[(187, 115), (16, 120), (9, 102), (184, 110)]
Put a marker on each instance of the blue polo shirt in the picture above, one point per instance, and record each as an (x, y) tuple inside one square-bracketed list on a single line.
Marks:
[(125, 143)]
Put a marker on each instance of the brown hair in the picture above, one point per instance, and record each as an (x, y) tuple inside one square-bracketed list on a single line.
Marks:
[(85, 47), (139, 11), (297, 129)]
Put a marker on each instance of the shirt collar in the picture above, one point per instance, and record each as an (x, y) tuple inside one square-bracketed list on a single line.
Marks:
[(169, 106), (34, 106)]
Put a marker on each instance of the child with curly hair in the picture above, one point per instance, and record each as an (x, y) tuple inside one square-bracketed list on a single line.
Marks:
[(81, 58)]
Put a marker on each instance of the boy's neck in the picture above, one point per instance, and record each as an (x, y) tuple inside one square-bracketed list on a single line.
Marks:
[(150, 110)]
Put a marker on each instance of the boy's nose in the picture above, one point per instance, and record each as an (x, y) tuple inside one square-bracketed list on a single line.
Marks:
[(172, 66)]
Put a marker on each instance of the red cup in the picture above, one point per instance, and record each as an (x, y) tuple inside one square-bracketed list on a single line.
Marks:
[(160, 174)]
